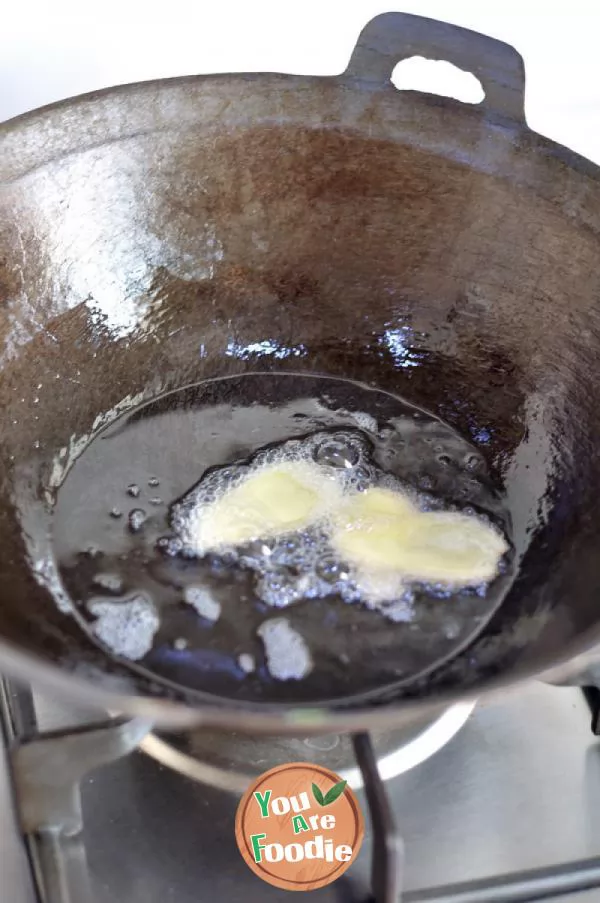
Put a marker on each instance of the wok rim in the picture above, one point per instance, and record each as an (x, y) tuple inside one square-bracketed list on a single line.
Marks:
[(540, 143), (291, 720)]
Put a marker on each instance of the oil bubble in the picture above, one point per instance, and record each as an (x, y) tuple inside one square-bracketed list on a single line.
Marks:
[(362, 478), (260, 548), (137, 519), (277, 590), (335, 453), (170, 545), (331, 570)]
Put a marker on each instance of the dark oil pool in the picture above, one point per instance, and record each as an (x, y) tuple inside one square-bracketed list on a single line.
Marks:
[(276, 625)]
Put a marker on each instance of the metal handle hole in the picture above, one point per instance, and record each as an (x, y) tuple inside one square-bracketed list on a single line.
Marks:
[(437, 77)]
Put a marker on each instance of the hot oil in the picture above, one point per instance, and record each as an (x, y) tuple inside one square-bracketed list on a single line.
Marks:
[(278, 618)]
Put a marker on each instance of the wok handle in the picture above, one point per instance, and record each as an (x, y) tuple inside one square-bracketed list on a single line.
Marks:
[(392, 37)]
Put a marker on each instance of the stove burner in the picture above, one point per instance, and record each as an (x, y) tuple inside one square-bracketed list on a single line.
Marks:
[(229, 761), (49, 756)]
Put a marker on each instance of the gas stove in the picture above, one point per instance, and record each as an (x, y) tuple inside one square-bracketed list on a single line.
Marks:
[(507, 810)]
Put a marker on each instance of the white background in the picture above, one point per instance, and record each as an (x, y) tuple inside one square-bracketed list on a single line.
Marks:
[(50, 49)]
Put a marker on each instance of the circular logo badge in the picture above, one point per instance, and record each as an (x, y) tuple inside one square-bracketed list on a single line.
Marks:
[(299, 826)]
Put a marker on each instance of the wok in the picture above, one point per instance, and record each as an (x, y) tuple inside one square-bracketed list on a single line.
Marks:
[(147, 230)]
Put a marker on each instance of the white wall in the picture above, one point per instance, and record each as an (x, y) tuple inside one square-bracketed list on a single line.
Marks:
[(51, 49)]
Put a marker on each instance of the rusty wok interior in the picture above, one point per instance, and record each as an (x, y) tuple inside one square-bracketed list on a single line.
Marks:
[(147, 229)]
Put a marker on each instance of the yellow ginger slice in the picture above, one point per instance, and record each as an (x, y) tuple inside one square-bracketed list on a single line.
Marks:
[(272, 501), (381, 533), (369, 528)]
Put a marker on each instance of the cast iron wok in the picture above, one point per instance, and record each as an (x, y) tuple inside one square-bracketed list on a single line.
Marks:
[(146, 229)]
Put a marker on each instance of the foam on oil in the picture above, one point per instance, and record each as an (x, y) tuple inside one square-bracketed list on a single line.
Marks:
[(276, 514), (128, 526)]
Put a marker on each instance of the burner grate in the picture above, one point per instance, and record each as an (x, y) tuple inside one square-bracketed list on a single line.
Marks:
[(47, 768)]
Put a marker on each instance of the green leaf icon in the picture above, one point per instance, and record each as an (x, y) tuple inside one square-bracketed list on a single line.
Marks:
[(333, 793), (318, 795)]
